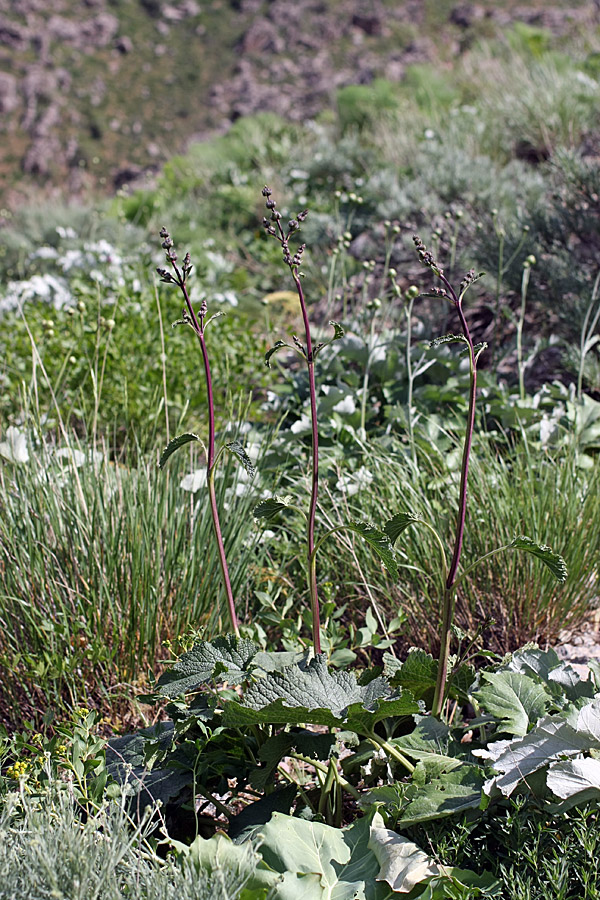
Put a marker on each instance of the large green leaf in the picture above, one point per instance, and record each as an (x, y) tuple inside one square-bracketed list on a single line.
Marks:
[(174, 445), (379, 542), (578, 778), (514, 698), (316, 695), (227, 656), (560, 678), (365, 861), (316, 860), (402, 864), (418, 673), (238, 450), (552, 560), (553, 738), (399, 523), (452, 792)]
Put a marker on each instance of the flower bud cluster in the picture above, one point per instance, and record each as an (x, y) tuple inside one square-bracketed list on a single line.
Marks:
[(425, 255), (275, 230), (168, 245), (469, 278)]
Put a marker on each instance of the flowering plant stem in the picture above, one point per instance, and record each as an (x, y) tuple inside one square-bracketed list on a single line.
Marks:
[(449, 594), (198, 324), (273, 227)]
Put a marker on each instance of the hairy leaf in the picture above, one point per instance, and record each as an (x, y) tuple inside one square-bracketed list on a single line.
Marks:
[(228, 656), (174, 445), (403, 864), (268, 509), (552, 560), (318, 696), (276, 346), (571, 777), (450, 793), (552, 738), (338, 333), (238, 450), (513, 698), (379, 542), (418, 673), (399, 523), (448, 339)]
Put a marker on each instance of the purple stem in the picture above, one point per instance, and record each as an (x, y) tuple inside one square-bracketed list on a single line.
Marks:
[(312, 573), (449, 599), (198, 326)]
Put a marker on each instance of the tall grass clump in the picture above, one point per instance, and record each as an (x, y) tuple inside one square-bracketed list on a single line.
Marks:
[(101, 562)]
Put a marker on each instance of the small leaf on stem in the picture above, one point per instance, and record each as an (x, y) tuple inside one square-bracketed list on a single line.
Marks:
[(268, 509), (277, 346), (338, 334), (552, 560), (448, 339), (398, 524), (174, 445), (238, 450), (380, 543)]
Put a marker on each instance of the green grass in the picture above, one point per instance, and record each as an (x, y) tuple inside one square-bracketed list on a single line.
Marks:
[(100, 563)]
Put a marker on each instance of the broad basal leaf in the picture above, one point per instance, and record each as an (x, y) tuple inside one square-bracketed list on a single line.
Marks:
[(514, 698), (379, 542), (174, 445), (238, 450), (125, 764), (320, 696), (398, 524), (219, 854), (268, 509), (319, 862), (402, 864), (552, 738), (575, 776), (450, 793), (560, 677), (552, 560), (227, 656)]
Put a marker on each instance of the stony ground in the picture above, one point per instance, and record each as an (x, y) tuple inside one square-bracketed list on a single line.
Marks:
[(97, 93)]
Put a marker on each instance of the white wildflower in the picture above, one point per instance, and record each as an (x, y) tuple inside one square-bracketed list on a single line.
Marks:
[(346, 405), (14, 448), (355, 482), (194, 481)]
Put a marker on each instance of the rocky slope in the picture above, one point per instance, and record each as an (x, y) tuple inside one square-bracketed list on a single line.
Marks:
[(96, 93)]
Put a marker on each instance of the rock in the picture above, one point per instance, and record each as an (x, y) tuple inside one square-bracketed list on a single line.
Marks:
[(124, 44), (371, 25), (262, 37), (9, 98)]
